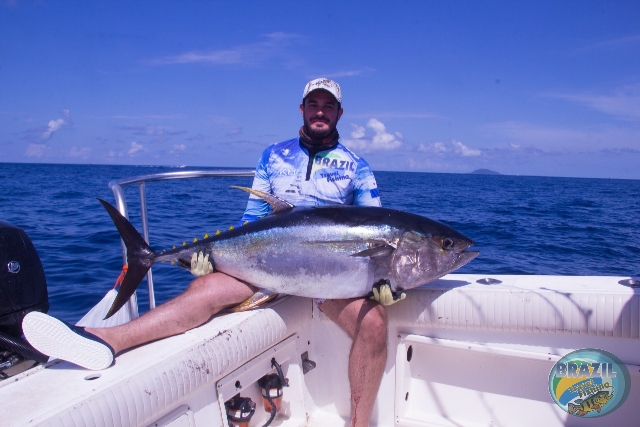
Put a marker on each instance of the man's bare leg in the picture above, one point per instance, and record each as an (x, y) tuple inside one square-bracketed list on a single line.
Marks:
[(204, 297), (365, 322)]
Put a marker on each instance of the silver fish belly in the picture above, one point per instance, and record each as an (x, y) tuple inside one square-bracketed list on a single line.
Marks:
[(305, 260)]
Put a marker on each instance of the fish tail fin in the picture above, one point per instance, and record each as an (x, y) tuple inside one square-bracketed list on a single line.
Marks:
[(140, 257)]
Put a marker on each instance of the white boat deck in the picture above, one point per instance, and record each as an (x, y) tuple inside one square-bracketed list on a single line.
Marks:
[(481, 355)]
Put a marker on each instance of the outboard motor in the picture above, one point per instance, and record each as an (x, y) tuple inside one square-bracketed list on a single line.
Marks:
[(23, 288)]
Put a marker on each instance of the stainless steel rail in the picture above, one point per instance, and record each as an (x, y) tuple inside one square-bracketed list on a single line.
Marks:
[(141, 180)]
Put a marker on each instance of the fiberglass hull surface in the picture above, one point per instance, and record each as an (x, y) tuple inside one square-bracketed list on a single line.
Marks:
[(481, 354)]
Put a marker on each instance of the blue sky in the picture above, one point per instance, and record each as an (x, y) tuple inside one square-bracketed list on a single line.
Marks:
[(529, 88)]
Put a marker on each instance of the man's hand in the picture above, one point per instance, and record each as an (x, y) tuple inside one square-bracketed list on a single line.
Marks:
[(200, 264), (383, 295)]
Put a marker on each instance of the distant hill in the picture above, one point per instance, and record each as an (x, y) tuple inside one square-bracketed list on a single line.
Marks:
[(485, 172)]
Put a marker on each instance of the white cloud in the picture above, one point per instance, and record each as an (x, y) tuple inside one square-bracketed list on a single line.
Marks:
[(380, 141), (359, 145), (436, 165), (79, 152), (620, 42), (215, 57), (357, 132), (144, 116), (435, 147), (35, 150), (454, 147), (53, 126), (463, 150), (623, 102), (135, 148), (247, 54), (178, 148), (346, 73), (397, 115), (562, 139), (529, 133)]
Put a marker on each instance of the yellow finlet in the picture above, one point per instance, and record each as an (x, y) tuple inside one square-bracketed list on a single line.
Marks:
[(173, 247), (195, 239), (184, 243), (172, 262), (231, 227), (206, 236), (218, 232)]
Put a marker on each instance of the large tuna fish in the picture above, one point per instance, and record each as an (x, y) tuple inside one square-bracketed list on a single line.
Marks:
[(322, 252)]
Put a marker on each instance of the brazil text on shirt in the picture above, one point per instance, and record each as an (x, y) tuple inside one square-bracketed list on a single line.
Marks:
[(334, 163)]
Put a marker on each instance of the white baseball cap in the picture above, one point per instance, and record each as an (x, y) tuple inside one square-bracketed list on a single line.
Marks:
[(325, 84)]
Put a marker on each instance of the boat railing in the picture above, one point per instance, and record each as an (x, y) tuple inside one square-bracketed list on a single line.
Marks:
[(121, 203)]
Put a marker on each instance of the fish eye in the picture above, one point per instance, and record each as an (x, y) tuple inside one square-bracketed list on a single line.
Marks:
[(447, 244)]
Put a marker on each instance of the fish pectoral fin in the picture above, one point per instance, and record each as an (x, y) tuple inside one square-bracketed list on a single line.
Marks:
[(276, 203), (376, 251)]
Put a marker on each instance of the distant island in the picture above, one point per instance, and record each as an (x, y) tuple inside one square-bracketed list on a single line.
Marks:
[(485, 172)]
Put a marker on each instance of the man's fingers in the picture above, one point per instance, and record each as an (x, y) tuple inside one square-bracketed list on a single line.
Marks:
[(386, 297), (383, 295), (209, 267), (200, 264)]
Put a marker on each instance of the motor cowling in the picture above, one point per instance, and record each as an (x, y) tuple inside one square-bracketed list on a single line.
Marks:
[(23, 287)]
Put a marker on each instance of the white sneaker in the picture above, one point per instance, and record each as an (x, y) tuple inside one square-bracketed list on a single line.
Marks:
[(61, 340)]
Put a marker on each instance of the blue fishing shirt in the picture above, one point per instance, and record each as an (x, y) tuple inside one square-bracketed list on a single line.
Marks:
[(338, 176)]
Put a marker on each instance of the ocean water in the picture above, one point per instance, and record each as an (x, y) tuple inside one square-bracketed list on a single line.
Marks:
[(521, 224)]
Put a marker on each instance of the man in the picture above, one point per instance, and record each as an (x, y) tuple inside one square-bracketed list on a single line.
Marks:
[(314, 169)]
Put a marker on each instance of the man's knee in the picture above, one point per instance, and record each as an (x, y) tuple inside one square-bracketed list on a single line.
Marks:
[(202, 282), (373, 326), (219, 290)]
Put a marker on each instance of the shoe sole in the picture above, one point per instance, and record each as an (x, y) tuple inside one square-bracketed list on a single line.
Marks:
[(52, 337)]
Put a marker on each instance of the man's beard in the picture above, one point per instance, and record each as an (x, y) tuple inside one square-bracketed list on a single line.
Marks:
[(317, 134)]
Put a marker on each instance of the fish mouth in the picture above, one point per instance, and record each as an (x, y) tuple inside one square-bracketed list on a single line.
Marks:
[(463, 259)]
